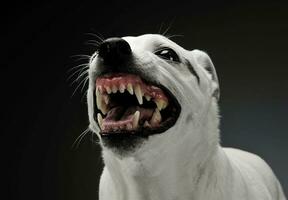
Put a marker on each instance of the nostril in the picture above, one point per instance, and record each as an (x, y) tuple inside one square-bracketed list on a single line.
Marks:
[(124, 47), (104, 49), (114, 50)]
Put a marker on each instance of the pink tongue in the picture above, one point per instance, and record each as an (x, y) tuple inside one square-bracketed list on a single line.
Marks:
[(118, 118), (114, 114), (145, 113)]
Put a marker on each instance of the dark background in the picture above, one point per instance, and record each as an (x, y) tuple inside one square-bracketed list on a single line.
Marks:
[(246, 41)]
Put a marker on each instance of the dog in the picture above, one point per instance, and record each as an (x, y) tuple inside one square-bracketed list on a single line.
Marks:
[(154, 107)]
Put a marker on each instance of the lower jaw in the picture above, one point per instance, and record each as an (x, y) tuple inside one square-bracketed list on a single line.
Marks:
[(141, 131), (125, 143)]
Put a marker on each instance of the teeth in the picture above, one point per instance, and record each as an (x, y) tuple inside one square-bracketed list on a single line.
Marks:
[(98, 98), (129, 126), (114, 89), (100, 120), (147, 97), (146, 124), (108, 89), (138, 94), (100, 88), (161, 104), (130, 88), (156, 117), (136, 119), (99, 101), (122, 88), (106, 99)]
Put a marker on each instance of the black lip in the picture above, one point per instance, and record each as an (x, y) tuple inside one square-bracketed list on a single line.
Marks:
[(142, 132)]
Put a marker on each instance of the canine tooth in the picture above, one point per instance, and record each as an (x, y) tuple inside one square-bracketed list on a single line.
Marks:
[(114, 89), (100, 120), (122, 88), (147, 97), (161, 104), (136, 119), (100, 88), (130, 88), (106, 99), (108, 89), (104, 109), (98, 99), (156, 117), (138, 94)]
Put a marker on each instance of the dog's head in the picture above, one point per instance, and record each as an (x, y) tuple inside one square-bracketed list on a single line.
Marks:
[(147, 92)]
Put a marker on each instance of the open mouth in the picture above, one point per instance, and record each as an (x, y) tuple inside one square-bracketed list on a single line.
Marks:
[(129, 105)]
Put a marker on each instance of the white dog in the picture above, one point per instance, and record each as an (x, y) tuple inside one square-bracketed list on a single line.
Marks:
[(154, 108)]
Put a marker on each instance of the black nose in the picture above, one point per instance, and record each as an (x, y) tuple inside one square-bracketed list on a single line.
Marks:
[(114, 51)]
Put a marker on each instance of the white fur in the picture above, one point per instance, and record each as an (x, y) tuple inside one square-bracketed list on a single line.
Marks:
[(186, 162)]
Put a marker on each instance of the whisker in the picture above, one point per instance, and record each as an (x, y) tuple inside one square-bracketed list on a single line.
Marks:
[(80, 57), (160, 29), (93, 135), (86, 79), (78, 140), (99, 37), (94, 42), (168, 28), (80, 75), (82, 81), (84, 94), (79, 71), (77, 66), (172, 36)]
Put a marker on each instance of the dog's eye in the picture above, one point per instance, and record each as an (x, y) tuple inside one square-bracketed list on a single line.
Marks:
[(168, 54)]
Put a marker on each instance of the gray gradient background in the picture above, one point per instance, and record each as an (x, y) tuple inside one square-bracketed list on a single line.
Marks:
[(247, 43)]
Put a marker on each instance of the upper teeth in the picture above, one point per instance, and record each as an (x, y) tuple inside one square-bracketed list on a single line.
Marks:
[(122, 88), (147, 97), (130, 88), (156, 117), (114, 89), (108, 89), (103, 99), (139, 94)]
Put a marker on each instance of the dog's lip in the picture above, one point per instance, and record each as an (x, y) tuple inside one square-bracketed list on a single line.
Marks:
[(143, 132)]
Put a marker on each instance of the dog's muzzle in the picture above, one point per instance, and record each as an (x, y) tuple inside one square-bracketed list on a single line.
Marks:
[(114, 51), (126, 103)]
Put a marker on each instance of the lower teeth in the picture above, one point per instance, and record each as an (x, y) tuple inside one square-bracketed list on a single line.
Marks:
[(154, 121), (100, 120), (136, 119), (156, 117), (146, 124)]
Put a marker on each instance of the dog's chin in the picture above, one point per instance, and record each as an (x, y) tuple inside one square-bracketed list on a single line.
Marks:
[(123, 146), (129, 109)]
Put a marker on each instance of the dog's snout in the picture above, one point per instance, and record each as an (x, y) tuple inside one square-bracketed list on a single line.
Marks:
[(114, 51)]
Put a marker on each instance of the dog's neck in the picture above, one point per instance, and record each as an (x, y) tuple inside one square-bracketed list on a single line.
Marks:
[(131, 179), (180, 174)]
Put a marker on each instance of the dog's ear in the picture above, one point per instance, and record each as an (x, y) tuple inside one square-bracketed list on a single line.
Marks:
[(204, 60)]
